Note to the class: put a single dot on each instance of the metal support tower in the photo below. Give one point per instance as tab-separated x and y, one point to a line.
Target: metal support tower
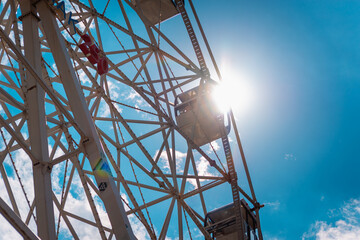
91	143
34	95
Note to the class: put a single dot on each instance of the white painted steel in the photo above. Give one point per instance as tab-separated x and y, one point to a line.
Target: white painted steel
156	167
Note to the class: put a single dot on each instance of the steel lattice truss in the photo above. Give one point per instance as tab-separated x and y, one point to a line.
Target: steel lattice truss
162	177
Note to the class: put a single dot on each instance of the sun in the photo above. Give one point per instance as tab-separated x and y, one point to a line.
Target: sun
234	92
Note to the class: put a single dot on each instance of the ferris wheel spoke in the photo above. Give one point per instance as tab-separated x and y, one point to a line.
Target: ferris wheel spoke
136	45
181	78
137	49
85	181
86	221
180	220
120	178
198	186
141	147
58	104
148	187
167	68
141	54
151	203
5	9
64	216
94	13
144	136
19	139
90	200
177	86
17	126
159	152
16	221
11	84
195	219
30	213
10	68
167	220
143	67
146	171
189	64
9	190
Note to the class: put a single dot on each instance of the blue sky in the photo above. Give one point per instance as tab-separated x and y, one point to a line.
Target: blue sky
301	136
295	64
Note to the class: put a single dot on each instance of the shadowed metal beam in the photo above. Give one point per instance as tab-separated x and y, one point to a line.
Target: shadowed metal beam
16	222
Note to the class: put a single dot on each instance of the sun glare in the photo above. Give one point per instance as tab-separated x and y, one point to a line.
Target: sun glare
234	92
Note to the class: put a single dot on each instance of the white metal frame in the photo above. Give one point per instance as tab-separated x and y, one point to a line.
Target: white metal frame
65	118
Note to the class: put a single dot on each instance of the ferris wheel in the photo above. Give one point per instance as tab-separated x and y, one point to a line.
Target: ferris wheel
109	127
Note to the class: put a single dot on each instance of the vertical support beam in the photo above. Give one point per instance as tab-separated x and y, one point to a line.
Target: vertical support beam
180	222
108	190
37	125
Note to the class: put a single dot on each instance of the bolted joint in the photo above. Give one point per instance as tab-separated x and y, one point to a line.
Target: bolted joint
257	206
31	88
161	185
99	89
212	163
154	47
85	140
228	178
31	13
45	167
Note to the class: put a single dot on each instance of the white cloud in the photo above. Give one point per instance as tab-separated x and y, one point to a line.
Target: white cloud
164	162
168	238
54	67
84	78
274	205
213	146
203	169
114	90
138	228
76	202
137	99
104	110
57	171
132	95
346	228
289	156
138	102
4	60
273	238
24	167
7	232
